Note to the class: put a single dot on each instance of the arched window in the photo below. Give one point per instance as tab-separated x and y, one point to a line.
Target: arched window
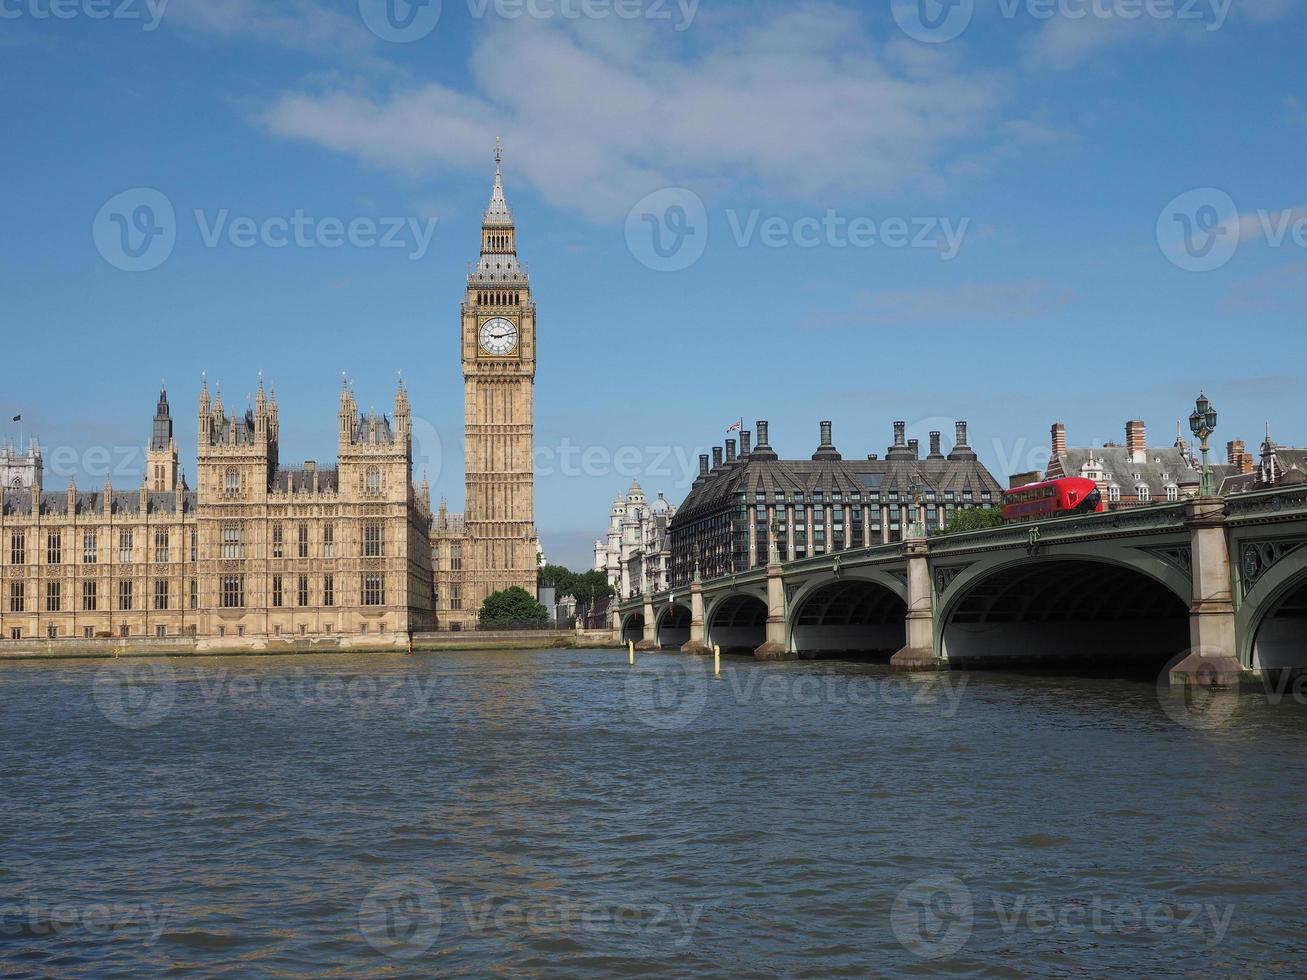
232	483
373	481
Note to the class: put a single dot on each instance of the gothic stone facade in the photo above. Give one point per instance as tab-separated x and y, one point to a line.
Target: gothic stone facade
256	551
493	545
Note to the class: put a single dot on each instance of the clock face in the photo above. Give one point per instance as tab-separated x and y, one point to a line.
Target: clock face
498	336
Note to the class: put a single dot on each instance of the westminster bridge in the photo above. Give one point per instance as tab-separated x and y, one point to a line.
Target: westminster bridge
1220	580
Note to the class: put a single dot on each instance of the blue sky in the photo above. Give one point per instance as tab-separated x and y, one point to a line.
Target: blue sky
895	223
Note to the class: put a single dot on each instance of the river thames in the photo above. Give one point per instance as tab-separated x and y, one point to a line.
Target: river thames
563	814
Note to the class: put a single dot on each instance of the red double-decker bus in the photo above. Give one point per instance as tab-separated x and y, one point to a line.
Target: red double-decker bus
1055	498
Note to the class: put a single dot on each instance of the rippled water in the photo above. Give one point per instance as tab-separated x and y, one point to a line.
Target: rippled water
562	814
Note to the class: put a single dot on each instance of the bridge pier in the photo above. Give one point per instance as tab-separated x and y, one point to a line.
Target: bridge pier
1213	659
695	644
650	641
919	652
776	646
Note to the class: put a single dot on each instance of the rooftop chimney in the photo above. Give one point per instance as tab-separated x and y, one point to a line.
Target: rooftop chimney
716	457
1059	439
915	448
730	450
827	449
703	466
961	448
763	450
935	451
745	437
900	448
1136	441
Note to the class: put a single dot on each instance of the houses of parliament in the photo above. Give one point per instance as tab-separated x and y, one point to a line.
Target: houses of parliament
260	552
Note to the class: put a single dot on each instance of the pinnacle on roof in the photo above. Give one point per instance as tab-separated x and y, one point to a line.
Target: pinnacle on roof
498	214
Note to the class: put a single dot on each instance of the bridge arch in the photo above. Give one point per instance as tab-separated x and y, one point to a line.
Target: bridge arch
861	617
1087	611
672	627
1274	618
633	628
737	623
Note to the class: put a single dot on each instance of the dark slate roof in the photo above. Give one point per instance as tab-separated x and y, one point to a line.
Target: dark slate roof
773	477
235	432
54	503
297	479
373	430
1162	466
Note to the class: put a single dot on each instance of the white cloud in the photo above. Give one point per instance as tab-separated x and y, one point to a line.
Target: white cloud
304	25
798	104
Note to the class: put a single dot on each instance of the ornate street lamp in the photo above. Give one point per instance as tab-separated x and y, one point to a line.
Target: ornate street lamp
1202	423
917	529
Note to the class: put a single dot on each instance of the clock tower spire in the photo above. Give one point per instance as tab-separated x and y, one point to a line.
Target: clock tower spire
498	341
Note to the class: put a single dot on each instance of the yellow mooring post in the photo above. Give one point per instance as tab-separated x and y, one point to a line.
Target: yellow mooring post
716	660
630	645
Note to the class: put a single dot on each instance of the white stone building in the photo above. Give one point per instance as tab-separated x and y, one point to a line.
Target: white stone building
637	544
20	469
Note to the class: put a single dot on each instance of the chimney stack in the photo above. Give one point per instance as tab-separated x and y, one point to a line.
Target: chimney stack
1136	441
961	449
935	451
914	447
1059	439
703	466
745	437
716	457
763	450
827	449
730	451
900	433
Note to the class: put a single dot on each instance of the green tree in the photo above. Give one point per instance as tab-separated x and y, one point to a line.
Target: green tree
556	577
513	607
974	520
589	587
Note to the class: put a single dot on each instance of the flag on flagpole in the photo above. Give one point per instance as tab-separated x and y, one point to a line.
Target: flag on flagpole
736	426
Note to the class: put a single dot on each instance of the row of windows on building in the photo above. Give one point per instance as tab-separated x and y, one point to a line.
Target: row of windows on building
161	631
233	484
721	543
233	544
231	594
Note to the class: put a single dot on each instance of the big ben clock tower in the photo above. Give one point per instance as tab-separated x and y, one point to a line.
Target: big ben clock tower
499	366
